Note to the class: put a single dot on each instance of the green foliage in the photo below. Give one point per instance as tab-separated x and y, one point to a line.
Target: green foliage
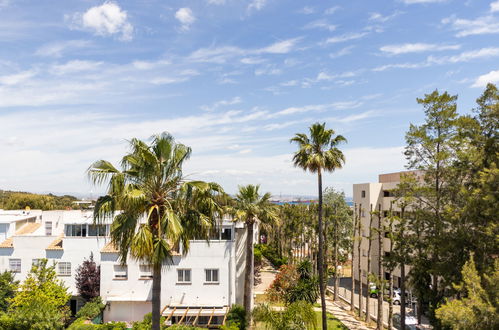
8	287
271	254
91	309
306	288
236	318
299	315
479	305
13	200
41	300
183	327
81	324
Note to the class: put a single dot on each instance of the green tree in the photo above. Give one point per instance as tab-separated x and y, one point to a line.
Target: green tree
318	153
249	206
41	302
8	287
479	304
151	185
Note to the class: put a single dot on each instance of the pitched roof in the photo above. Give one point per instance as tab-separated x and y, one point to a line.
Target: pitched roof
109	248
26	229
56	244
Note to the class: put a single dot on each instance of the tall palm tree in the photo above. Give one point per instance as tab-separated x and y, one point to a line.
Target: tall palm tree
250	207
154	208
318	153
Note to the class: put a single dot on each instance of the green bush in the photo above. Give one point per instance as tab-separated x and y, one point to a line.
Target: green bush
236	318
271	254
91	309
80	325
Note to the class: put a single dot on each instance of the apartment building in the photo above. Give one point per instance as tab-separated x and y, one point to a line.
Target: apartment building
369	197
197	287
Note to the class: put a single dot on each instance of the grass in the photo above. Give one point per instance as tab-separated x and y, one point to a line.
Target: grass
332	322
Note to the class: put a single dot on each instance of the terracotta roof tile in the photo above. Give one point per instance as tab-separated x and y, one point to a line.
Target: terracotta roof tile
26	229
56	244
109	248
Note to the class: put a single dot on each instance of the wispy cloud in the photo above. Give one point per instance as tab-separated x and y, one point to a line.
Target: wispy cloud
411	2
346	37
332	10
342	52
343	105
256	5
377	17
222	103
223	53
104	20
57	49
483	80
494	6
468	27
416	48
320	24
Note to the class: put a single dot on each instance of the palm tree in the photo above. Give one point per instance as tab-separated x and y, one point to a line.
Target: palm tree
316	154
250	207
154	208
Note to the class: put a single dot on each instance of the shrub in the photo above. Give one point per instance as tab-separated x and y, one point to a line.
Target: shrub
298	315
236	318
91	309
284	280
271	254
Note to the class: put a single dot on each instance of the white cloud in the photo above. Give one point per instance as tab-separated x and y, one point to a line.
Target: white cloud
410	2
223	53
222	103
257	5
466	56
75	66
331	10
17	78
320	24
377	17
252	60
280	47
185	17
105	20
416	48
346	37
494	6
216	2
468	27
483	80
307	10
58	48
343	105
342	52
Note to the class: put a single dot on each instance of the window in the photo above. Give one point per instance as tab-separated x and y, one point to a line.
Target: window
36	262
97	230
76	230
227	234
48	228
145	271
64	268
385	214
15	265
386	193
363	194
387	254
211	275
120	272
387	234
184	276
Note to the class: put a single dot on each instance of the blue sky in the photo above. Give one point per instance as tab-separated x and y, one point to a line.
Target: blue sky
232	79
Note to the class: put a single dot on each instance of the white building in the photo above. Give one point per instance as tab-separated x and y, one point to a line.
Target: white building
375	196
197	288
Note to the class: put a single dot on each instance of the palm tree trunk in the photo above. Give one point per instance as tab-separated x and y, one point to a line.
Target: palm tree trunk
352	273
336	277
156	296
390	302
368	316
248	275
402	277
359	261
320	258
379	323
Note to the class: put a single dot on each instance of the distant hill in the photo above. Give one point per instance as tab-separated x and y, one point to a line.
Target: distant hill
18	200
